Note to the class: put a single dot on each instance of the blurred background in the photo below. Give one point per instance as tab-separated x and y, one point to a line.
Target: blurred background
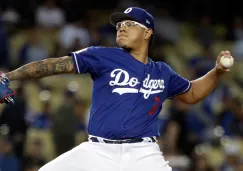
50	115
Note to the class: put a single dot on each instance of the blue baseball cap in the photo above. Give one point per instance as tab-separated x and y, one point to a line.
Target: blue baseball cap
133	13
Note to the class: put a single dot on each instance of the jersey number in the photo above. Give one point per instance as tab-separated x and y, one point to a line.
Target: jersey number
151	112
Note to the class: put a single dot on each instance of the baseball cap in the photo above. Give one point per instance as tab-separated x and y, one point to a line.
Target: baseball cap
133	13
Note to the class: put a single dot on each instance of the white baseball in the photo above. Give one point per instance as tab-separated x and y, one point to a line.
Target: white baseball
226	62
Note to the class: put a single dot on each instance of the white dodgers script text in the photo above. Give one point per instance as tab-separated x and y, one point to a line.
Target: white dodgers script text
122	78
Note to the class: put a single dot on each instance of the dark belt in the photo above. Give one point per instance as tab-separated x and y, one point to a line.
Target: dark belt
135	140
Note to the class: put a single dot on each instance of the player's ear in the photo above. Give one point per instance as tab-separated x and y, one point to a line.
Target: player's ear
148	33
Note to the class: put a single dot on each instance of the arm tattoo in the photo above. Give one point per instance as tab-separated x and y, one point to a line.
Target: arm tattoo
44	68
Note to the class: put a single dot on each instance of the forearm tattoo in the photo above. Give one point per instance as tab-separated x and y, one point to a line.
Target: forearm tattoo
44	68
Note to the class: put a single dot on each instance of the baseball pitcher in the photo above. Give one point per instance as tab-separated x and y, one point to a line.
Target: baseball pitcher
129	89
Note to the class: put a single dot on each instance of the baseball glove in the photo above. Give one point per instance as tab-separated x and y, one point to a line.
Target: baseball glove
6	94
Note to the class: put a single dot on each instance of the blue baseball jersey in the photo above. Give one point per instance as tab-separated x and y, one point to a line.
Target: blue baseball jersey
127	94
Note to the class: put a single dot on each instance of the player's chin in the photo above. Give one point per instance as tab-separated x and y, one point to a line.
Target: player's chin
121	43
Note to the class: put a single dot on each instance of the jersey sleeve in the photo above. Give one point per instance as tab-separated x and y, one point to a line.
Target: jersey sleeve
86	60
177	84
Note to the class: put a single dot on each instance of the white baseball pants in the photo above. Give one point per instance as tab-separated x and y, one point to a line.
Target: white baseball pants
97	156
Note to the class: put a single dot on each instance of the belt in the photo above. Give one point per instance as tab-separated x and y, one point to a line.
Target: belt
133	140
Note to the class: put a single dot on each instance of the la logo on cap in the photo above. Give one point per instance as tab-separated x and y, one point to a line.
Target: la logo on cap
128	10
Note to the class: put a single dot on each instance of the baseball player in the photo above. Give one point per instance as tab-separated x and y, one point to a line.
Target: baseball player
128	91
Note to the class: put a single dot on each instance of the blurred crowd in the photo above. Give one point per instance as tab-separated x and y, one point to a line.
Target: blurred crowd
50	115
